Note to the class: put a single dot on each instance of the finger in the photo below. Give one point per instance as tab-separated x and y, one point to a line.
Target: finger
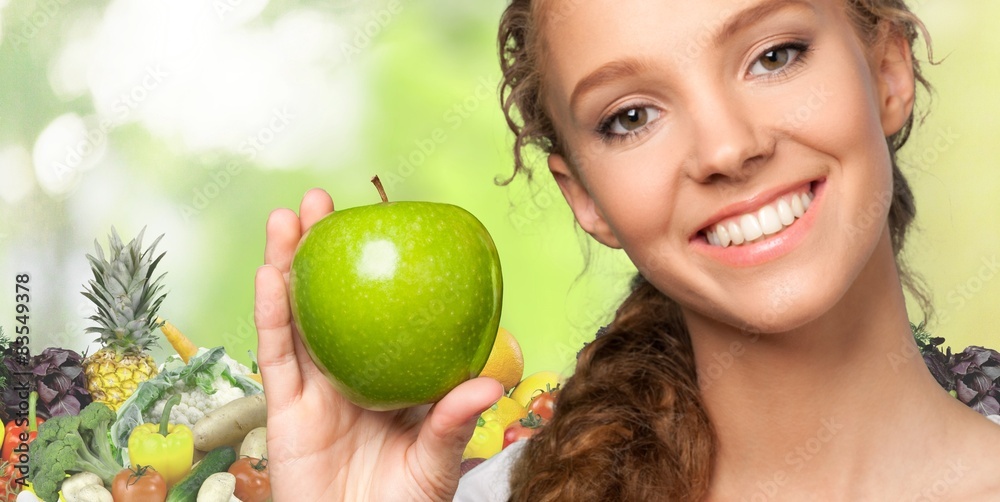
276	354
449	426
283	233
316	204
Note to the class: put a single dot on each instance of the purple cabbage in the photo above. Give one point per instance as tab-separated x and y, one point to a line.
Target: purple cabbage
57	375
977	379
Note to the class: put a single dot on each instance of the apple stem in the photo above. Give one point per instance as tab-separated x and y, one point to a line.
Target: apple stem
378	186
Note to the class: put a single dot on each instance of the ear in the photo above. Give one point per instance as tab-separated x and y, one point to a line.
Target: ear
896	84
588	215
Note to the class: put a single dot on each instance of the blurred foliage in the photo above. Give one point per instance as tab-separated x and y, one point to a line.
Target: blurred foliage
414	100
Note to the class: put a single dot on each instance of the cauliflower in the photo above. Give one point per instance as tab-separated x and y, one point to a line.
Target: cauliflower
209	380
195	403
235	367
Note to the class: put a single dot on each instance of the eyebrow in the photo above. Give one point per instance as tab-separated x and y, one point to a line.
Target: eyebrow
631	66
607	73
752	15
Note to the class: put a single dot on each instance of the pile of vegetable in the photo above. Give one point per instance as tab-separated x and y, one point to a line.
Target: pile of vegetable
98	454
117	427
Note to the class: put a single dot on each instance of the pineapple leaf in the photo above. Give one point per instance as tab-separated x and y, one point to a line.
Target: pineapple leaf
124	293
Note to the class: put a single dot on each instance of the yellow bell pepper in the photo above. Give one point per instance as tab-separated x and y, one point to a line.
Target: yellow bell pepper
168	448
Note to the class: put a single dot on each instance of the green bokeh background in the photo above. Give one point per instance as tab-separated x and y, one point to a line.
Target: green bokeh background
412	100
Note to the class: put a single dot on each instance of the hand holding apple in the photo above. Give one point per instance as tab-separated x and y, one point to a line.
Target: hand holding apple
407	454
397	302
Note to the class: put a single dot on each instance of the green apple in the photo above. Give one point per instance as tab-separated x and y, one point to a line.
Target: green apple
397	302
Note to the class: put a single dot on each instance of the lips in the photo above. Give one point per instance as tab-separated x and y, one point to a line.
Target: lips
753	226
764	218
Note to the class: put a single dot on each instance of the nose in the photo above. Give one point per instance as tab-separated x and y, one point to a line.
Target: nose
729	139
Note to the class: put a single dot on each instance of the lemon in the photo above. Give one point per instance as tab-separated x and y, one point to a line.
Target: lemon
506	363
533	385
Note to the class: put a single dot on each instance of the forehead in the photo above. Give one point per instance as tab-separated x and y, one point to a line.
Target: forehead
705	16
578	36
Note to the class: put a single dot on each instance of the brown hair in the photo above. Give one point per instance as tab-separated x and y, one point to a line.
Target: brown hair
630	423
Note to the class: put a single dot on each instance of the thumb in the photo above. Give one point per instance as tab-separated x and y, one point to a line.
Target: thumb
449	426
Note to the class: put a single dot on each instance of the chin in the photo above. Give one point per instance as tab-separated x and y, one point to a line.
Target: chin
784	305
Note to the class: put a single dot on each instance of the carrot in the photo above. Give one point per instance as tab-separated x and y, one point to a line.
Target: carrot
181	343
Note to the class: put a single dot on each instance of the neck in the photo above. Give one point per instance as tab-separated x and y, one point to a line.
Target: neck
836	406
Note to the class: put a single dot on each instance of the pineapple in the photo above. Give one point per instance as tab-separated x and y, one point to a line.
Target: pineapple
127	299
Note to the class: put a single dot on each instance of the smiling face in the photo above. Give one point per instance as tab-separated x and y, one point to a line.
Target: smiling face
734	149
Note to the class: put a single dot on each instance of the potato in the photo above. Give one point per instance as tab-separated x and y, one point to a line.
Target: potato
255	444
94	493
230	423
219	487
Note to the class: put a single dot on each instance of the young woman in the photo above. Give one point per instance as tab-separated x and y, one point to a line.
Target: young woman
741	152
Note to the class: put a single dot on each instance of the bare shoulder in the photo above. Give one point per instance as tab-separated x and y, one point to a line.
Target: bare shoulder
980	476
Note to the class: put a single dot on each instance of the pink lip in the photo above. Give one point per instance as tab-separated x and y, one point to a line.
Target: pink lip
748	255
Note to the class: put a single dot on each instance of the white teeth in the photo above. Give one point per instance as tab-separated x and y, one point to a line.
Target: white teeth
723	235
754	227
785	213
735	234
713	239
797	208
769	222
750	226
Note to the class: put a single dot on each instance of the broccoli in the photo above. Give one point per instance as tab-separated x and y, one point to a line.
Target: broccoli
69	444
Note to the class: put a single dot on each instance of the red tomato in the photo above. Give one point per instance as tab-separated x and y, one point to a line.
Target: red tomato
253	483
8	484
139	483
522	429
544	404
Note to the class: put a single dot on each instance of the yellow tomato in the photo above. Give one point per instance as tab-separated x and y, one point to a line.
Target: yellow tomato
533	385
506	411
486	441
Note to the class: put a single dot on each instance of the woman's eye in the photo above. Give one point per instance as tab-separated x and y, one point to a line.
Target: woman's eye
631	120
774	59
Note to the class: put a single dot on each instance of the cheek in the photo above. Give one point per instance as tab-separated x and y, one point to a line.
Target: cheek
842	123
636	192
